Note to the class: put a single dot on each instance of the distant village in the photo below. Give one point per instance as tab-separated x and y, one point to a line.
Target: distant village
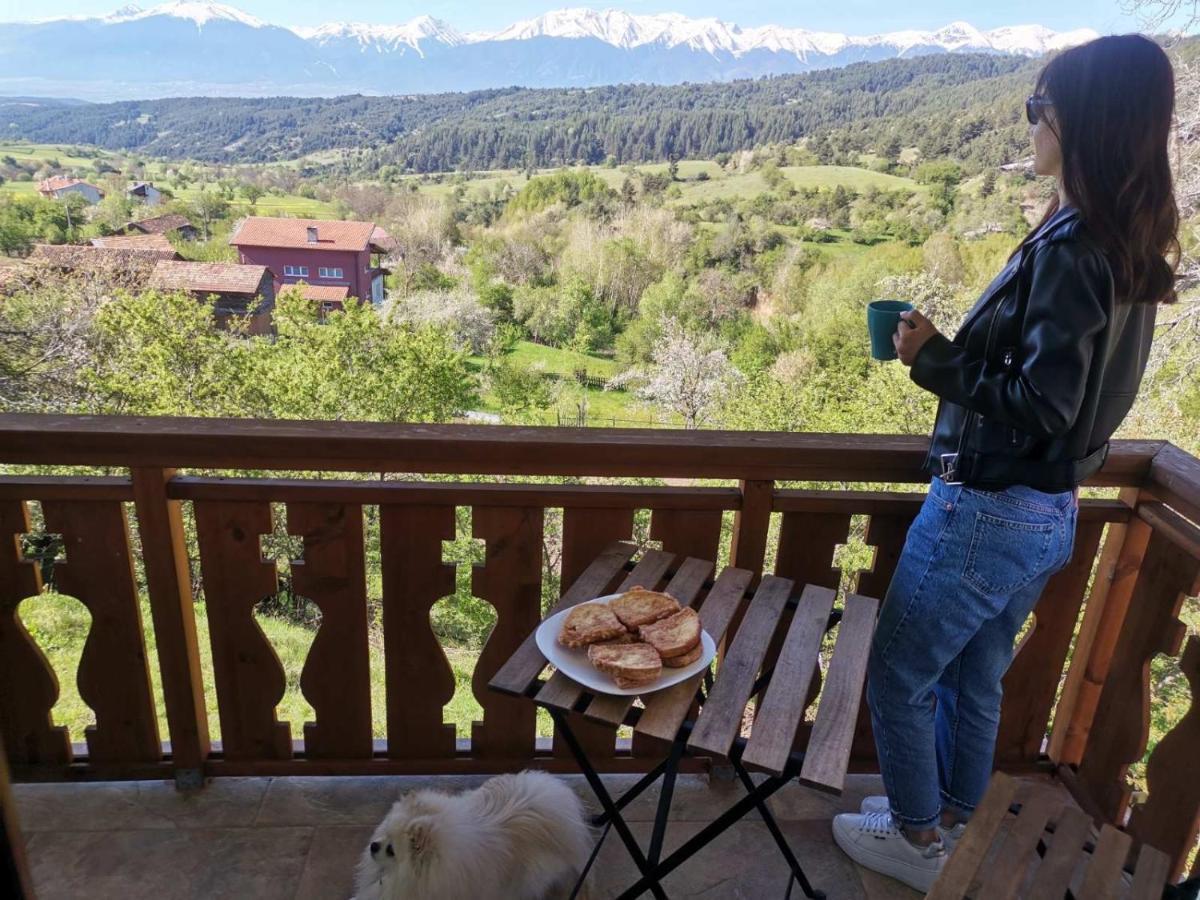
330	262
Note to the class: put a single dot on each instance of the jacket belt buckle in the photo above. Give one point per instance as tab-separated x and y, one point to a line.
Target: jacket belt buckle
949	474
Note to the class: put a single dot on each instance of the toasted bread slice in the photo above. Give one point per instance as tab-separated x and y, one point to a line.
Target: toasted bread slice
630	665
626	638
684	659
588	623
639	607
674	635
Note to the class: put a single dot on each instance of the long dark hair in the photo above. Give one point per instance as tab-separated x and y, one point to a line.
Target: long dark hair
1113	100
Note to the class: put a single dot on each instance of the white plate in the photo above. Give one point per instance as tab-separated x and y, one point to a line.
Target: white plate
575	664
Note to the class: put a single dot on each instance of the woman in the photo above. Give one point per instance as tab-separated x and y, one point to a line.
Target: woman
1039	376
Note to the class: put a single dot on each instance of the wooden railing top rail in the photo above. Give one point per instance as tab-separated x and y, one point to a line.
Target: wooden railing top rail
490	449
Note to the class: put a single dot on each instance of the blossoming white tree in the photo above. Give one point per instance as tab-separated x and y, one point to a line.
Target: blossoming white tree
688	374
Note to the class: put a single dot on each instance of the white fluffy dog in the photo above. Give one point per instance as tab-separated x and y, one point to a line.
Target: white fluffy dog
517	837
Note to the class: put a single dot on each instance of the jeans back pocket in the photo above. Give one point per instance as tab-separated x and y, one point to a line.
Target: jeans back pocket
1005	555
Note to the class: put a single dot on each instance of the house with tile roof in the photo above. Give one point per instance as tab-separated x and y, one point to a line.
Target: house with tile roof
129	267
240	290
59	186
171	223
135	242
322	253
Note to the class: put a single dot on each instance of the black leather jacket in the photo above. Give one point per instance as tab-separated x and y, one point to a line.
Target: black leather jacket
1041	372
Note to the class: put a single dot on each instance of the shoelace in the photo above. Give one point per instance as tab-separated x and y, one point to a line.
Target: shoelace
878	823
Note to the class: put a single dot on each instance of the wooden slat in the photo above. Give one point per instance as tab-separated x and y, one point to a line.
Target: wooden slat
1104	611
515	676
418	676
423	493
172	607
828	751
561	692
58	439
1151	874
1006	873
16	881
336	678
114	677
807	543
779	714
904	504
510	579
65	487
1102	877
687	532
1176	476
1170	818
28	685
886	533
666	710
751	525
964	862
1031	683
1063	853
246	669
586	532
611	709
1119	733
721	718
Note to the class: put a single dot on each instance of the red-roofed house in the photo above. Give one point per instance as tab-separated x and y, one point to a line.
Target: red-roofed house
240	290
57	186
319	252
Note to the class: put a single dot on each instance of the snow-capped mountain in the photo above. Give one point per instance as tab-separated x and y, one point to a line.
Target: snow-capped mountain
191	47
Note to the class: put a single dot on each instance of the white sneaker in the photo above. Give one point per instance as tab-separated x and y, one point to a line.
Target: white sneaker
873	840
879	804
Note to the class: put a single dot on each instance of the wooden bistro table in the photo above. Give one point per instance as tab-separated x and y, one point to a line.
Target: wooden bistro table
715	731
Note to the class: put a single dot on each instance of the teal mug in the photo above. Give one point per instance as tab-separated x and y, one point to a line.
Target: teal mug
883	318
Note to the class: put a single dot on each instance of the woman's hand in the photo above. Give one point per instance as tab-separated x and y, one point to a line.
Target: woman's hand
911	336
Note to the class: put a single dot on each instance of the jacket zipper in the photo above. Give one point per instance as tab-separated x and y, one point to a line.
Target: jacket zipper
972	415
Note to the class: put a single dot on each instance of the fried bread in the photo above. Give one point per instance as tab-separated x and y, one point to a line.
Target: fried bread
588	623
639	607
675	635
684	659
629	665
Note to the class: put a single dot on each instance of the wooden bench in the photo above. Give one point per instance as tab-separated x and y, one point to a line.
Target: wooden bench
1042	847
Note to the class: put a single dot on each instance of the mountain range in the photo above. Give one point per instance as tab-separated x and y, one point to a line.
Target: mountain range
191	48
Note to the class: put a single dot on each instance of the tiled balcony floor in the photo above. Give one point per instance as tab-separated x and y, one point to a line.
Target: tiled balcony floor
285	838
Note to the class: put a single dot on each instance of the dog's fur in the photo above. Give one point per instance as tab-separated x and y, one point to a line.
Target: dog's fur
517	837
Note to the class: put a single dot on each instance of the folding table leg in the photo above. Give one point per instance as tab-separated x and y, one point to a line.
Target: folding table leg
773	827
633	792
610	808
704	836
664	796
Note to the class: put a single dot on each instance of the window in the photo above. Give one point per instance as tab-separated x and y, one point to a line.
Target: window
330	273
296	271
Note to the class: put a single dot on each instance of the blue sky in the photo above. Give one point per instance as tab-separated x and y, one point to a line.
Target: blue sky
851	16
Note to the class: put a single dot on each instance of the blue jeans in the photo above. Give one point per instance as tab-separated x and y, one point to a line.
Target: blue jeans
973	566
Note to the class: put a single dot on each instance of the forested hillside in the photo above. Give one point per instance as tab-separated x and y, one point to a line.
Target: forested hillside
964	105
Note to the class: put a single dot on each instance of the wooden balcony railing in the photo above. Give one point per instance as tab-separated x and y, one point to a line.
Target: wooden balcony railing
1137	556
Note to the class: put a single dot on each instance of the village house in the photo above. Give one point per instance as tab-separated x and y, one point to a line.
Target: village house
129	267
144	192
136	242
172	223
58	186
240	290
326	253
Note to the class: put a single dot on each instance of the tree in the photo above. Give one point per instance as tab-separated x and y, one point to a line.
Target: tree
691	376
208	208
673	168
252	192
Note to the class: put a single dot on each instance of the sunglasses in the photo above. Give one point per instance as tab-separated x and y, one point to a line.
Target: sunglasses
1033	108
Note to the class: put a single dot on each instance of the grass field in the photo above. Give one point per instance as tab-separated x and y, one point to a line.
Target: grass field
719	184
23	150
621	408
